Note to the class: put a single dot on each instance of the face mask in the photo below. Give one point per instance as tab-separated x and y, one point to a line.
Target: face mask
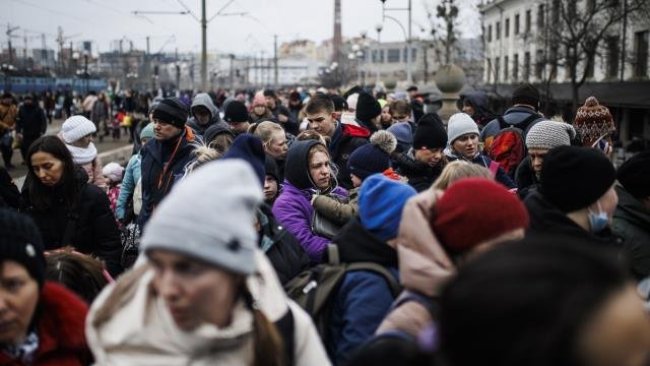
598	220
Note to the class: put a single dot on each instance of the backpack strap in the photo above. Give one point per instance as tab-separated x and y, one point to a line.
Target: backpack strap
286	327
395	287
528	122
502	123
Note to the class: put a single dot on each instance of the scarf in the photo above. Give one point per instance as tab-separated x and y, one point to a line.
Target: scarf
81	155
25	351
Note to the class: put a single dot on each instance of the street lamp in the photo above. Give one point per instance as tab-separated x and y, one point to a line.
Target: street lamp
378	28
408	38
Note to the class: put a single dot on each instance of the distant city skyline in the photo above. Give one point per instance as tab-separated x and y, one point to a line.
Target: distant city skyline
104	22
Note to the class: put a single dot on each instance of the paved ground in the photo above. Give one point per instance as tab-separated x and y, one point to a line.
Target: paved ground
107	145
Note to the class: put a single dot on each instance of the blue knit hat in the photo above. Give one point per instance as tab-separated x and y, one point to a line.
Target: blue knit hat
249	148
403	134
381	200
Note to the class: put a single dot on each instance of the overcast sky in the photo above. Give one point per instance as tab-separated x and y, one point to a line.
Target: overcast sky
105	20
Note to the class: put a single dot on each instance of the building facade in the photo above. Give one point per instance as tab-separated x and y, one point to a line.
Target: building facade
520	47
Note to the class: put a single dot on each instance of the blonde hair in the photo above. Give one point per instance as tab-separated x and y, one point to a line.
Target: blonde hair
265	131
312	135
457	170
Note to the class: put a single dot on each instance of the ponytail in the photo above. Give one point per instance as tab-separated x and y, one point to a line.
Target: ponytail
268	344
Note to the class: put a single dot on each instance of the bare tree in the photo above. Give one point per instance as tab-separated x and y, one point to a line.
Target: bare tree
574	31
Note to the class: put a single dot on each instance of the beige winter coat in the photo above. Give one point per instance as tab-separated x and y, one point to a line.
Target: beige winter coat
424	266
141	330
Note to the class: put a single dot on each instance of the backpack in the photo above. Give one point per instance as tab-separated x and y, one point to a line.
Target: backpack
315	288
508	147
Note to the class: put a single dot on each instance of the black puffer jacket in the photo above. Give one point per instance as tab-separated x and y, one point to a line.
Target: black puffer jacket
280	246
95	231
9	195
420	176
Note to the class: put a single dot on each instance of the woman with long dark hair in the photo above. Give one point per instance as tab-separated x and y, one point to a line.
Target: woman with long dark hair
66	208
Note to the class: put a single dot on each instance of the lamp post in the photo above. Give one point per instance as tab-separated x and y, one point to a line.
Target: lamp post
86	72
361	55
409	76
378	28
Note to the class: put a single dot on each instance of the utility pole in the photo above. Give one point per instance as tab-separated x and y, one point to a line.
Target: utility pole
9	35
204	51
275	60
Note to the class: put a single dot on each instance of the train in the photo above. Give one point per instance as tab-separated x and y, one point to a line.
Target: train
38	84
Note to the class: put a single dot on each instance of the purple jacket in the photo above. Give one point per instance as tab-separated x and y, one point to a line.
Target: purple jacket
293	209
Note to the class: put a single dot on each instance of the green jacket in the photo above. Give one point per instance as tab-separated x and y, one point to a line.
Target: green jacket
632	223
336	210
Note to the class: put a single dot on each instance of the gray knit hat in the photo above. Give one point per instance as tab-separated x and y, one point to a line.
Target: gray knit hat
215	227
549	134
460	124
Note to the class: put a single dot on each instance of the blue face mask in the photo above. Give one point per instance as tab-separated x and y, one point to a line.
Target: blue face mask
598	220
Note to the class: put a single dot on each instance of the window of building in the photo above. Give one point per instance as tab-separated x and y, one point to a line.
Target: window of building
553	61
489	35
507	30
489	70
612	56
498	30
590	65
572	9
505	69
414	54
555	11
539	64
540	16
516	24
496	69
641	51
591	4
515	67
526	66
528	20
393	55
569	63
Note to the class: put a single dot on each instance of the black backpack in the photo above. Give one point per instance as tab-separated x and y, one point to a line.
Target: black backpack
315	288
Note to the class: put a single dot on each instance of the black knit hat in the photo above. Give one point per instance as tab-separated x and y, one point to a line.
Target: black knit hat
236	112
340	104
575	177
367	107
634	175
430	133
526	94
172	111
21	242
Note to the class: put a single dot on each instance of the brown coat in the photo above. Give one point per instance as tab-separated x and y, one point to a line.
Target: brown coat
336	210
424	265
8	116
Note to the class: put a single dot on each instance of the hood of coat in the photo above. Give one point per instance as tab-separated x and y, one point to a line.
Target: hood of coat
143	327
631	209
204	100
356	244
61	322
297	164
424	265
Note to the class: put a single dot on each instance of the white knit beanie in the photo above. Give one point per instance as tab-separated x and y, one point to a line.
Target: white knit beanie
549	134
460	124
113	171
75	128
213	225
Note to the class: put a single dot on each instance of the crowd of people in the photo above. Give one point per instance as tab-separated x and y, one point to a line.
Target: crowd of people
322	228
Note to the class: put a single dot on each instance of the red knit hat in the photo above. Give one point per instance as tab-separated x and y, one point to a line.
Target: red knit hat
474	210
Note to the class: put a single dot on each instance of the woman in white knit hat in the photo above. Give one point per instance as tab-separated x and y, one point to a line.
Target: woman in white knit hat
204	294
463	138
77	133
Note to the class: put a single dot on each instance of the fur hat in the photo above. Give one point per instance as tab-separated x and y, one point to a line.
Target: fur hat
21	242
549	134
430	133
172	111
575	177
113	171
367	108
460	124
474	210
381	201
373	157
593	121
75	128
209	216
